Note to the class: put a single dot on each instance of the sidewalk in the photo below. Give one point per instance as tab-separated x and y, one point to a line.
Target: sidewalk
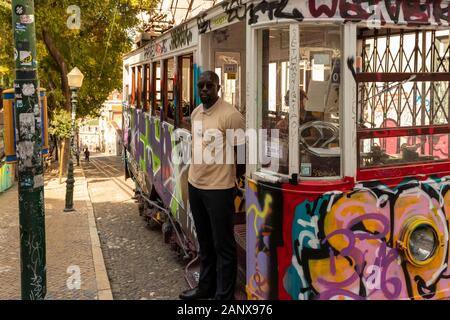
72	244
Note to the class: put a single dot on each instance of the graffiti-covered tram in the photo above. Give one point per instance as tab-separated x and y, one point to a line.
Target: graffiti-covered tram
346	194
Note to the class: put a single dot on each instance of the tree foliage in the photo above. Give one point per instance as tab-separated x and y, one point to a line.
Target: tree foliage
61	124
96	48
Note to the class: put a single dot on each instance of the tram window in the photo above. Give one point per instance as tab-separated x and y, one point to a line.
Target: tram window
127	93
409	101
146	88
186	103
139	87
156	86
319	68
133	85
169	108
403	150
403	83
273	55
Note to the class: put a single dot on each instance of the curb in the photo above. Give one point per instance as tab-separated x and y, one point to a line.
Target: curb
101	276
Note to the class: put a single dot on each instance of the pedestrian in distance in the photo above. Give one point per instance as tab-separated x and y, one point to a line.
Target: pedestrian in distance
212	190
77	154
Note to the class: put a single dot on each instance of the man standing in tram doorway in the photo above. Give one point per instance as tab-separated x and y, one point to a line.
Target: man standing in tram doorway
212	189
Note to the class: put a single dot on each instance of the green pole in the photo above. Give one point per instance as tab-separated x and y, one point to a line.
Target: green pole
28	146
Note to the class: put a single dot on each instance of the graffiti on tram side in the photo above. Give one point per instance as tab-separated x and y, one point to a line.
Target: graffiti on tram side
197	72
345	244
6	177
180	37
400	12
157	155
262	204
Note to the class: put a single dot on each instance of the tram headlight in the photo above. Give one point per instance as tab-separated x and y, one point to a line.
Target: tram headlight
419	241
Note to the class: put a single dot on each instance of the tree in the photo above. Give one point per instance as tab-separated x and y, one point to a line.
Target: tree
96	47
7	46
61	127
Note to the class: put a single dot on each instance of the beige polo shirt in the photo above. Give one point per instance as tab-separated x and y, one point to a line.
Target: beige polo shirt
212	165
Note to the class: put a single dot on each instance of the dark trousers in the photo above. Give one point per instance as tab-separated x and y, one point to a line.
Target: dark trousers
213	212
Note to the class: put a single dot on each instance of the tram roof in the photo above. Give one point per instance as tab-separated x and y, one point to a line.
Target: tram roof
435	14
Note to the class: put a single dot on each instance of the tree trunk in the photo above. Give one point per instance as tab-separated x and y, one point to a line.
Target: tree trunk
64	151
59	59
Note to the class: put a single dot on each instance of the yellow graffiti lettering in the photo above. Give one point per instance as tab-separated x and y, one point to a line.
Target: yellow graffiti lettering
260	214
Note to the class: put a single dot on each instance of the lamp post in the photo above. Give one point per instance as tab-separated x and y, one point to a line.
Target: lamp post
75	79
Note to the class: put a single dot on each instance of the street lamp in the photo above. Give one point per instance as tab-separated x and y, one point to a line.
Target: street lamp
75	79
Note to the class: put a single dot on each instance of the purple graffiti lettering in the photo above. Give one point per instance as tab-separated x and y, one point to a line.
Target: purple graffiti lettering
336	285
348	234
332	261
371	216
385	260
327	295
391	287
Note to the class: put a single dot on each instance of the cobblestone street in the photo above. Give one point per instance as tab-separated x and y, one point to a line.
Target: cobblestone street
139	264
71	244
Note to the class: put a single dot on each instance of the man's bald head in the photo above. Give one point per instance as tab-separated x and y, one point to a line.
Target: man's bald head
208	88
210	75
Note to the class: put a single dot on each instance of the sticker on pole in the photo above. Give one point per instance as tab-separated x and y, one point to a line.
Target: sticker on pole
27	19
28	89
19	10
20	28
25	58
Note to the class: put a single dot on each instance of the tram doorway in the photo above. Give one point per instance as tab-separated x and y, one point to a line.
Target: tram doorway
228	61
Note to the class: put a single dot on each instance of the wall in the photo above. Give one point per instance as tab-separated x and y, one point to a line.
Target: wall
343	244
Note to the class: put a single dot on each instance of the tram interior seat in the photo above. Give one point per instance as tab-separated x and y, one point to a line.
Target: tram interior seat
408	154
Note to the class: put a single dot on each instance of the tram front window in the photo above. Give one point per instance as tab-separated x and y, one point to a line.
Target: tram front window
275	54
319	67
317	98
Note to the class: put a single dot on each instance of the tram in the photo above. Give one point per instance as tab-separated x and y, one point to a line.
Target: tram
346	193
